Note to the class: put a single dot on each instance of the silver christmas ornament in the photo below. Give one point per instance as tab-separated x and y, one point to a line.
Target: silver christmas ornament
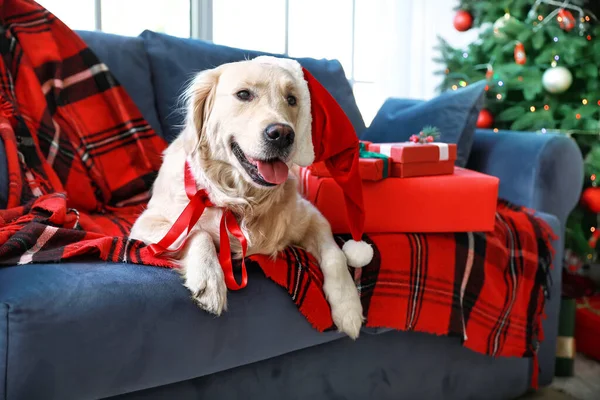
557	79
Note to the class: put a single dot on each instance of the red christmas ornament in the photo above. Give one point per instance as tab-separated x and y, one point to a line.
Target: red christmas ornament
485	120
463	21
566	20
590	199
520	56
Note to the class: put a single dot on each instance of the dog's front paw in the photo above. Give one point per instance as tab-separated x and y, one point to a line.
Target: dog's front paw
346	309
208	289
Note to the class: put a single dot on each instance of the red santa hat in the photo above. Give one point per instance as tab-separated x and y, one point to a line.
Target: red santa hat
325	134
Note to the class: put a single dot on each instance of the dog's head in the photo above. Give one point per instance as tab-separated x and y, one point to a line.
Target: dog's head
253	117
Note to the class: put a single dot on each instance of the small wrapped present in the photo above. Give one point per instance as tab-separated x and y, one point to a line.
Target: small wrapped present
464	201
587	326
372	166
421	156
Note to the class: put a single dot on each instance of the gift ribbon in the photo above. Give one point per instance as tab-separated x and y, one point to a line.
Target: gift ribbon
199	200
444	152
364	153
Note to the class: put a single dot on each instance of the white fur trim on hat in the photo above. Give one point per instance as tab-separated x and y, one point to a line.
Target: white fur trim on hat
358	254
305	152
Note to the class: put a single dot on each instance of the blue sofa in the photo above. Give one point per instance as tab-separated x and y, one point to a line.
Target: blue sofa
120	331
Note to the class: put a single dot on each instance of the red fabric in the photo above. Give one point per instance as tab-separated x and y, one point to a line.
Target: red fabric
414	152
81	161
370	169
336	144
461	202
80	156
587	326
485	289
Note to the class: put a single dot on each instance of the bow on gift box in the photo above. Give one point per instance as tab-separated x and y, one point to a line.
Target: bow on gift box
364	153
427	135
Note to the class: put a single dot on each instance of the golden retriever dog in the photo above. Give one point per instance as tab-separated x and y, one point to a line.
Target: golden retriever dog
247	125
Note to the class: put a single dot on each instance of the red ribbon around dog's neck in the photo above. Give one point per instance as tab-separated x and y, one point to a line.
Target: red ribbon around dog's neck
191	214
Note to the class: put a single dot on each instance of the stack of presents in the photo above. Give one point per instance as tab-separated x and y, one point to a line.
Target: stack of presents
409	187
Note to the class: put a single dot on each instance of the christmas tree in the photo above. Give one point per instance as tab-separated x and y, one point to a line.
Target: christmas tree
540	59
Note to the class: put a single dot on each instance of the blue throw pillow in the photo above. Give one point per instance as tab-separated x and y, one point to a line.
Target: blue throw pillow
174	61
128	62
454	113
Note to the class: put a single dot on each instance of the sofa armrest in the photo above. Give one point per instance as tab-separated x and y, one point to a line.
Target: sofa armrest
543	172
547	351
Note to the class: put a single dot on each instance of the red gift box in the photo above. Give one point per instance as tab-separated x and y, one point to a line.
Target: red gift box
370	169
587	326
464	201
417	159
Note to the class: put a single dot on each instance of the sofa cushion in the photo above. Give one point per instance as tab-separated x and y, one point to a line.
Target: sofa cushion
174	61
454	113
127	59
99	329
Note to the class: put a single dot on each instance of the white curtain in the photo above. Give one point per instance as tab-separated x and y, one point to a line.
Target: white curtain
407	34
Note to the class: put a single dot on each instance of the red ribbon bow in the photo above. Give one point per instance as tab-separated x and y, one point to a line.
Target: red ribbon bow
199	200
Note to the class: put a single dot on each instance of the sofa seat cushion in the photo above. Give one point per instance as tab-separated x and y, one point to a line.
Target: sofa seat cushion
93	330
126	57
175	61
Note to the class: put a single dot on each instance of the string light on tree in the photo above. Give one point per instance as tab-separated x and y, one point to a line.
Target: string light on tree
500	24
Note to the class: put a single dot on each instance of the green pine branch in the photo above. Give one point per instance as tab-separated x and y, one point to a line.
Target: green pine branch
516	96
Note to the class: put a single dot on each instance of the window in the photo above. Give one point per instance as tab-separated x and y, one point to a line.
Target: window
132	17
80	17
254	25
334	29
123	17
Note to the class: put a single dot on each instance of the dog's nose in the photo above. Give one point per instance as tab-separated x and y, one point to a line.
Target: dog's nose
280	135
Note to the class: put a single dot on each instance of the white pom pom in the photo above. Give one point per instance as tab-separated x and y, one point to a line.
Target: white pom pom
358	254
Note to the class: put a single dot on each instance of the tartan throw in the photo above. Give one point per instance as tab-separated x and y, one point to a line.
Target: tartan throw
81	161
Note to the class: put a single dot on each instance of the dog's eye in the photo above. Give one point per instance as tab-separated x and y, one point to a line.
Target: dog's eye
244	95
291	100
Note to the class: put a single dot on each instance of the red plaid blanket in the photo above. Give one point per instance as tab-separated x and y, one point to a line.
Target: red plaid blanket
81	161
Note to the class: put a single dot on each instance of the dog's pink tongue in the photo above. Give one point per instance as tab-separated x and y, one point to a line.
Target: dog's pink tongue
273	172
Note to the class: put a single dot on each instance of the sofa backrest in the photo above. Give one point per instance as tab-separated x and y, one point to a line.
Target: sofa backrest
154	68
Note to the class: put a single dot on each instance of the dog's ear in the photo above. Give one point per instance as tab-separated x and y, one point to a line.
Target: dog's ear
199	98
